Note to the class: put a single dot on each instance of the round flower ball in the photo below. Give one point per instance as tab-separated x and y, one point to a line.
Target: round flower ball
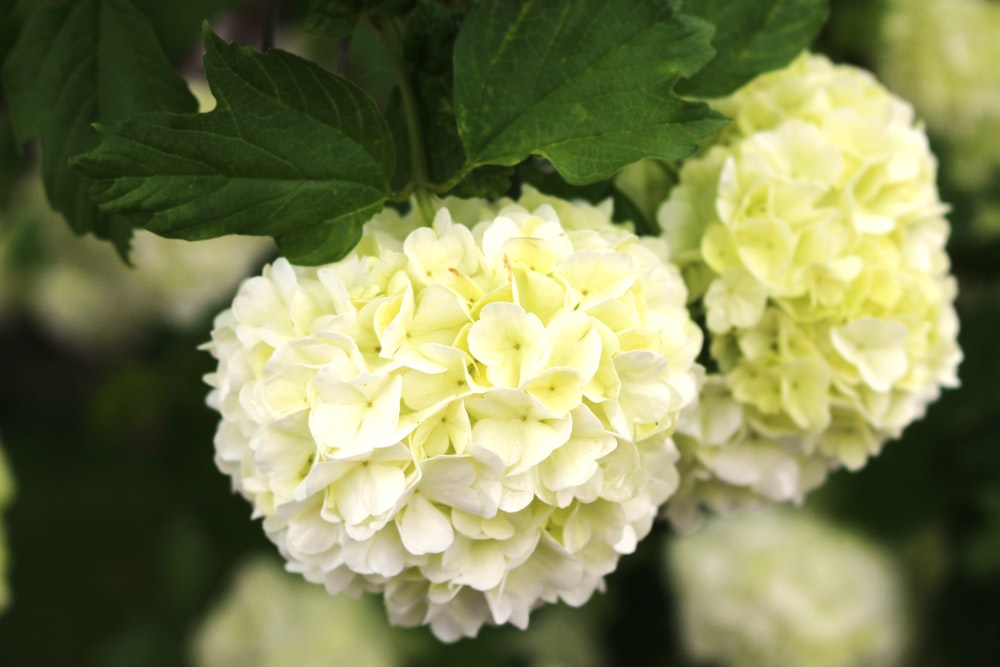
473	420
781	588
812	238
269	618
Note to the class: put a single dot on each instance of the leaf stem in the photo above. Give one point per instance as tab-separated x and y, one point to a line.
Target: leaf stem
419	173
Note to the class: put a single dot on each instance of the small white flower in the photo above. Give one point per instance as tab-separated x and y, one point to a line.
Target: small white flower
473	420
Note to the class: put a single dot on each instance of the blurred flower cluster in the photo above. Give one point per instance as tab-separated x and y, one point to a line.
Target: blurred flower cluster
782	588
88	299
269	618
941	55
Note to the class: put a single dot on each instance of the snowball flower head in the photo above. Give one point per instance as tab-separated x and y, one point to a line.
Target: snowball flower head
783	589
942	56
269	618
6	494
813	236
472	420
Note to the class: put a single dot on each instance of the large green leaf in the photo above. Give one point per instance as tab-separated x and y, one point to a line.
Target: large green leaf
586	83
291	151
751	37
76	64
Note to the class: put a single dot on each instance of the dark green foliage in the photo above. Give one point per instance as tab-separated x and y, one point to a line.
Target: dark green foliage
76	64
291	151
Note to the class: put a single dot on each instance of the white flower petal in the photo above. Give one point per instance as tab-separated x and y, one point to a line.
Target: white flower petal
423	527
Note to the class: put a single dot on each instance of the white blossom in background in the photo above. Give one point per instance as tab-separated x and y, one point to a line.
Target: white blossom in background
270	618
6	495
782	588
942	55
474	420
86	297
812	237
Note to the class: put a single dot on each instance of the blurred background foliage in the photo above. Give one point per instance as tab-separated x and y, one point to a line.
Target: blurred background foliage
123	535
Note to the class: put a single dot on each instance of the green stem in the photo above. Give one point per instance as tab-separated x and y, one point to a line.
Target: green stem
435	188
419	173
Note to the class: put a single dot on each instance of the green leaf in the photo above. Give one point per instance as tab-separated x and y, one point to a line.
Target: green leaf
586	83
291	151
751	37
76	64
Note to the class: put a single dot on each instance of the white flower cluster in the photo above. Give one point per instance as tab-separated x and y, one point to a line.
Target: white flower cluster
270	618
942	55
472	420
813	236
6	494
783	589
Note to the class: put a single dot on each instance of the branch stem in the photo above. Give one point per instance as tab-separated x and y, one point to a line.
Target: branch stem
419	173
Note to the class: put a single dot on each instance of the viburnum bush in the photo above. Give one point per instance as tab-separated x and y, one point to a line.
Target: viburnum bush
475	374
